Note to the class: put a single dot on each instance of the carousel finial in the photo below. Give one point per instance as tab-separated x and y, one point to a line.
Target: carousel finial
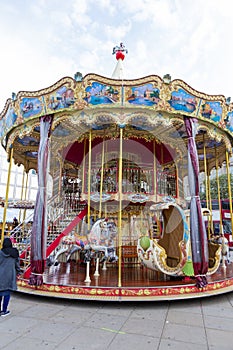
120	51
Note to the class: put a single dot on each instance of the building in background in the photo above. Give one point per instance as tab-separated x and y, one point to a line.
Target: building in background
17	192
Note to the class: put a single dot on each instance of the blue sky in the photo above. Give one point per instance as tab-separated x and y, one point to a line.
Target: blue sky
44	40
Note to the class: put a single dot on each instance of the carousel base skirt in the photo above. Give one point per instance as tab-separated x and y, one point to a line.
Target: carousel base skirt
67	280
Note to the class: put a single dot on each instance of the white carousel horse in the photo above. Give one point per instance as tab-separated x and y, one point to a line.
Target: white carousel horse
99	247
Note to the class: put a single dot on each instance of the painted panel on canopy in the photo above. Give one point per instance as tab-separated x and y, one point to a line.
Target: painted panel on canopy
11	117
144	95
30	107
61	98
2	127
212	110
28	141
60	131
33	155
208	144
229	121
182	101
141	123
99	93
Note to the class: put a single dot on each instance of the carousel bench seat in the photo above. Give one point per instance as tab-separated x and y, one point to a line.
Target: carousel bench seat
129	254
213	249
172	236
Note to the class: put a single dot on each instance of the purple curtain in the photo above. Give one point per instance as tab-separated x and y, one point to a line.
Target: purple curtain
39	227
198	234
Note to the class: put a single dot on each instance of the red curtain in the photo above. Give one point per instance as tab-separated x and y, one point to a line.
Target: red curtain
198	234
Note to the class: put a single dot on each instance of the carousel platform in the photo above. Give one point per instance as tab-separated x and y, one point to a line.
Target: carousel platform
66	280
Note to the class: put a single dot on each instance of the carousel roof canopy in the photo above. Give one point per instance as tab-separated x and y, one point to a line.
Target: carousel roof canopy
149	108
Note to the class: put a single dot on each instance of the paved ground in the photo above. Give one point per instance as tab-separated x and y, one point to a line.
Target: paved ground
42	323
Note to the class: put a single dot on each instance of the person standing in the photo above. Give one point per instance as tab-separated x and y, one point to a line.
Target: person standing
9	269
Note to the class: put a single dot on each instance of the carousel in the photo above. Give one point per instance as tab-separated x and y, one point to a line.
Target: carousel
118	215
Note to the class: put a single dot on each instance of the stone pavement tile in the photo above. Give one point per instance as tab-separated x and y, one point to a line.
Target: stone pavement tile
6	337
222	300
48	331
29	343
143	326
17	325
152	311
219	340
178	345
192	306
73	315
87	338
218	310
41	311
108	321
122	309
185	318
219	323
133	342
185	333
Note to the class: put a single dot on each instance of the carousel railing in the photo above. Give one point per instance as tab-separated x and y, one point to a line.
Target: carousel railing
63	220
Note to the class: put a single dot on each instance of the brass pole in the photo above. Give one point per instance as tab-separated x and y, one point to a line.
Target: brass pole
210	203
206	186
205	167
101	180
7	194
60	178
177	182
219	196
229	188
89	186
25	196
155	171
22	190
84	163
120	209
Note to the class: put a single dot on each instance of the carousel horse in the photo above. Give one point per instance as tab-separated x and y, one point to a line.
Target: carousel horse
98	247
171	254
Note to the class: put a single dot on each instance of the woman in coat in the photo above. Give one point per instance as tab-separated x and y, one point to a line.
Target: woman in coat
9	269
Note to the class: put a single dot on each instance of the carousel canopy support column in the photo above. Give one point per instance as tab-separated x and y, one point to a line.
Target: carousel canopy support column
89	186
229	187
39	227
197	227
120	209
7	194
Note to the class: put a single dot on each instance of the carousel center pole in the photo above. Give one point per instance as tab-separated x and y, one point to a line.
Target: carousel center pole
120	208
